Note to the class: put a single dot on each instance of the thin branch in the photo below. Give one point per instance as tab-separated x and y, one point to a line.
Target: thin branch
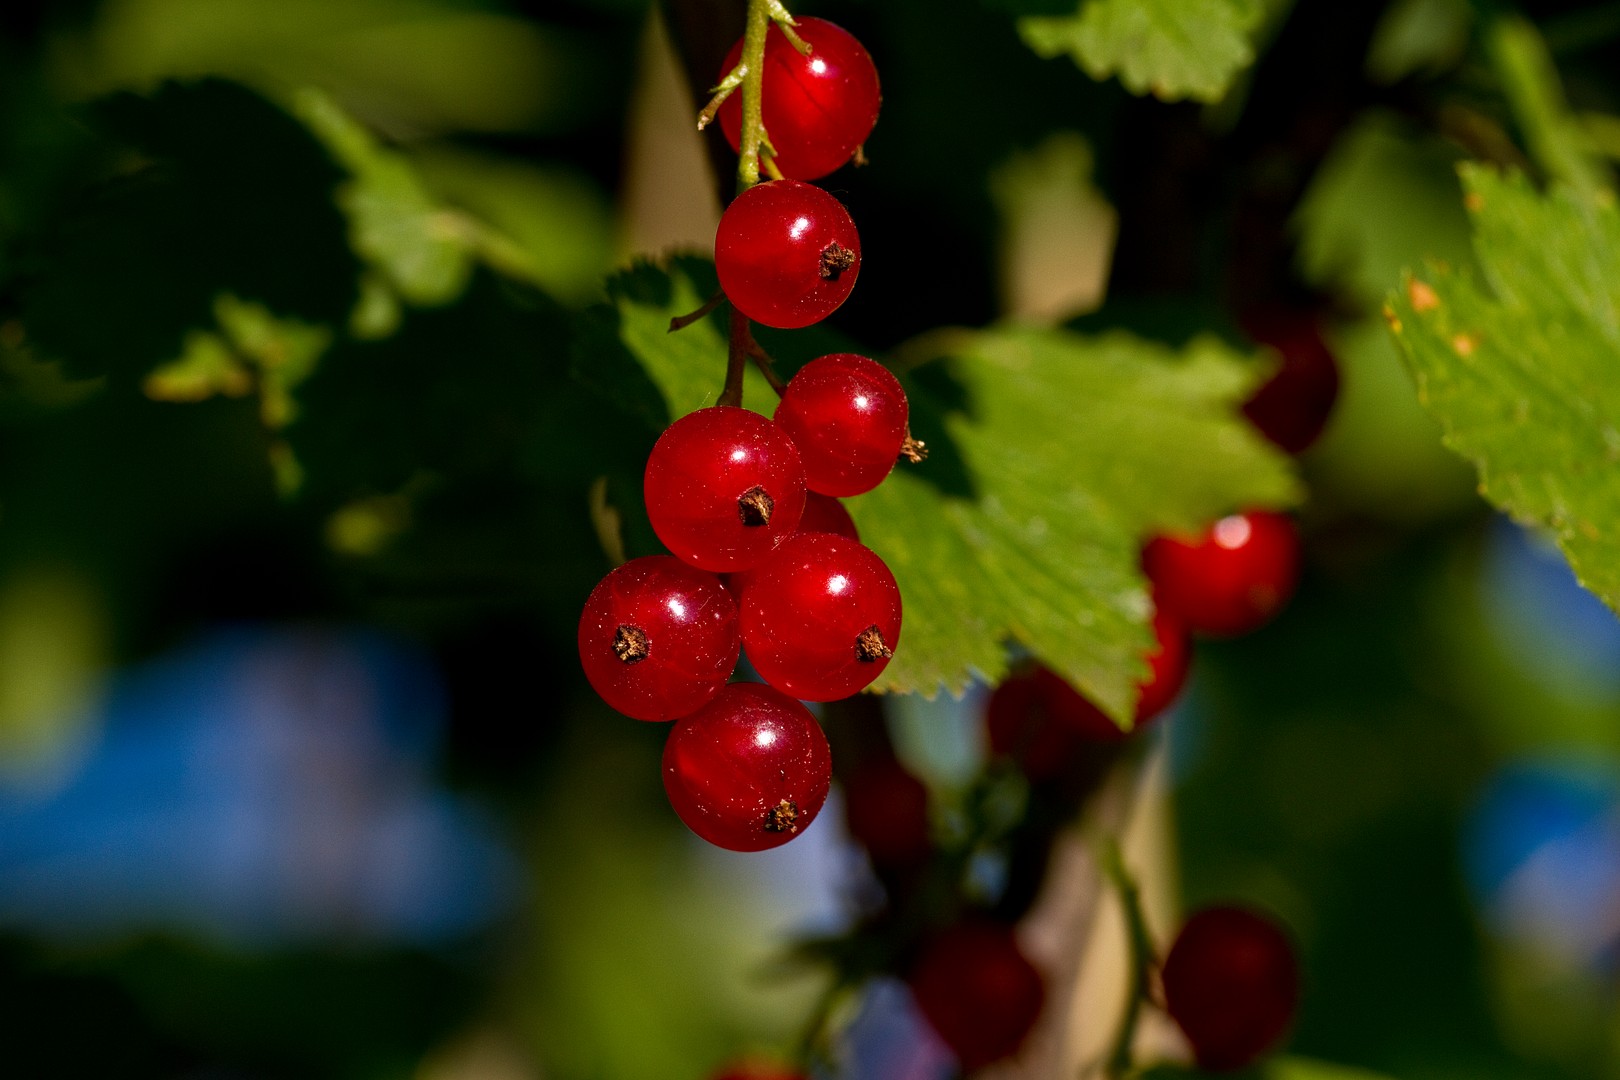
681	322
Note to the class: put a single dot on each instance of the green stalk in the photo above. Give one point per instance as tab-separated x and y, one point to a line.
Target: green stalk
753	124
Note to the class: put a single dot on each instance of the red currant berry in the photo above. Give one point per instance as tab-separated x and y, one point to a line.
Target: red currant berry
1022	724
723	487
1292	407
978	991
847	415
817	108
749	770
1043	723
886	809
1167	666
821	617
1231	983
1230	579
658	639
787	254
821	514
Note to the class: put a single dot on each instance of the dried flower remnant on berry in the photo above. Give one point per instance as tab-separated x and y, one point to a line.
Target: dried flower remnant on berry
630	644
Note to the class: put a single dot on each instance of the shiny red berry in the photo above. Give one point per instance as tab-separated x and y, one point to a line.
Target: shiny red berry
658	639
1292	407
787	253
817	108
978	991
1043	723
1230	579
749	770
723	486
821	617
822	513
1232	984
847	415
1167	666
886	809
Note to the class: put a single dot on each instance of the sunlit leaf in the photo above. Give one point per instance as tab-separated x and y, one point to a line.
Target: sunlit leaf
1172	49
1052	456
1517	361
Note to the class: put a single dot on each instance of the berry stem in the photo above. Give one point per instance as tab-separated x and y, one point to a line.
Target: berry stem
753	83
784	22
681	322
767	367
733	79
736	360
1142	957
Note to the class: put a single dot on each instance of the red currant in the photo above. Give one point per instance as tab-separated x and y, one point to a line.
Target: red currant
1230	579
1231	984
978	991
1292	407
847	415
817	108
749	770
821	514
1042	722
787	254
723	486
1167	666
886	809
821	617
658	639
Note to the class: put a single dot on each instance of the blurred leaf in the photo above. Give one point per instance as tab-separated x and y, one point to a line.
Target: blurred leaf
404	65
1528	79
1053	455
253	350
1419	37
560	222
395	226
1385	198
1172	49
233	196
1517	363
460	389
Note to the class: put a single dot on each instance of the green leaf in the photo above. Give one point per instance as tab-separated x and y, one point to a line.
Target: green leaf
1172	49
232	196
1051	456
1074	449
423	251
1518	362
1411	178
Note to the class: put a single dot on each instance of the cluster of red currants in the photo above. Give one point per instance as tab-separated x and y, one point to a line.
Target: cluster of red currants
1229	978
764	557
1228	580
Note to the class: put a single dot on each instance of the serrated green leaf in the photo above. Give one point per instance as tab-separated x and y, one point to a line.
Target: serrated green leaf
1075	449
1518	362
1172	49
1051	456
